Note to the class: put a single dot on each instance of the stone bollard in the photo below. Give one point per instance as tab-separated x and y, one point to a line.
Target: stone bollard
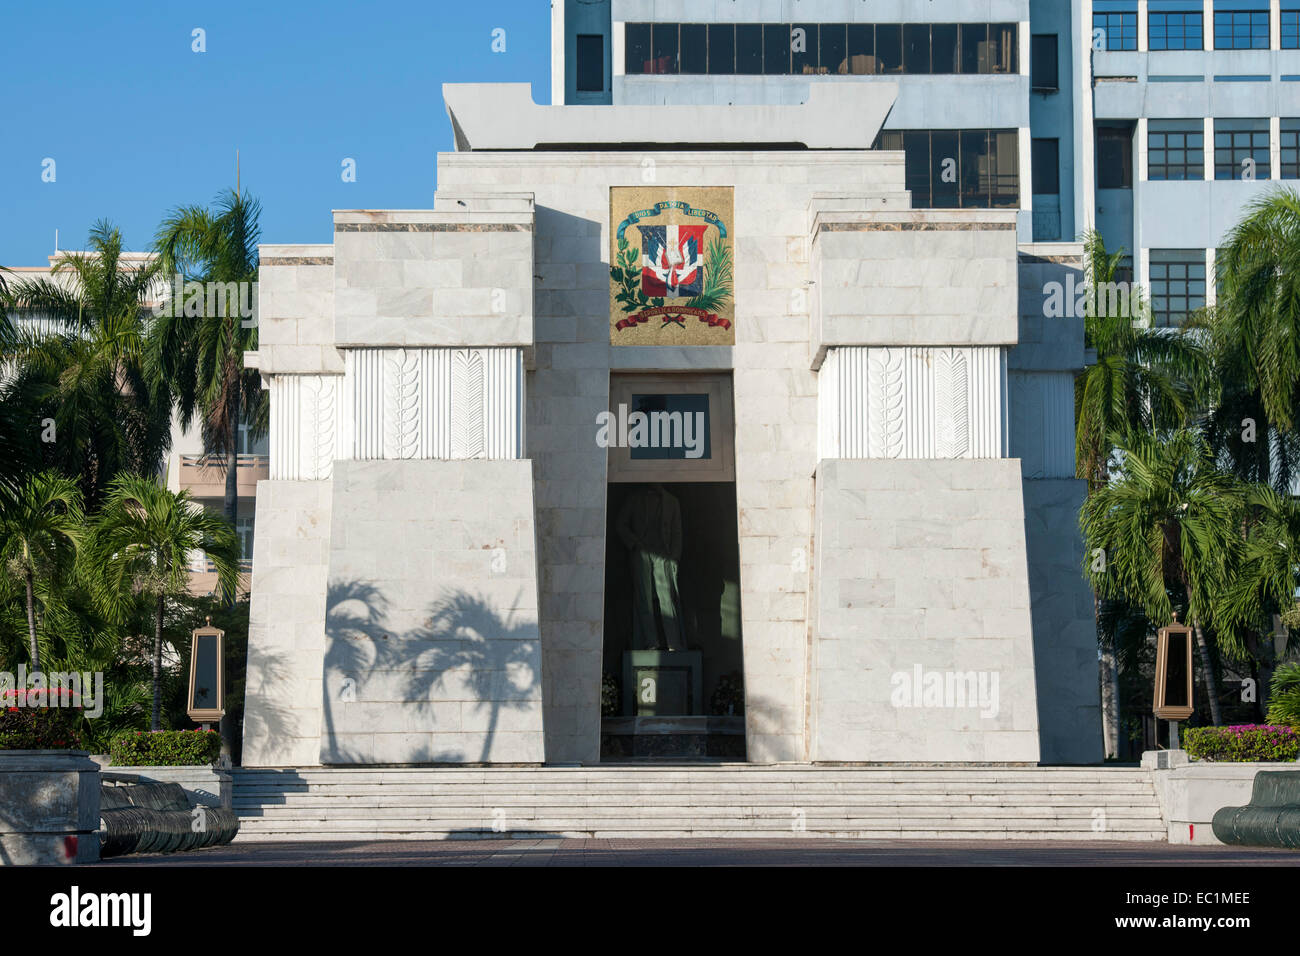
49	807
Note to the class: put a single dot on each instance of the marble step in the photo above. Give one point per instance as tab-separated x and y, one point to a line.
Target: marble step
692	773
352	836
633	829
561	800
685	809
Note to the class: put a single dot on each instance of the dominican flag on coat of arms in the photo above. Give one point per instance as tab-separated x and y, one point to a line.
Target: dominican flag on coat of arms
672	261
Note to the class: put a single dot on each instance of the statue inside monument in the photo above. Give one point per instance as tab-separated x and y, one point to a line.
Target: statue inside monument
650	527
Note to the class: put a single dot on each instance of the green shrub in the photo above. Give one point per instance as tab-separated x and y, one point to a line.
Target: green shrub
1242	743
27	726
165	748
1284	696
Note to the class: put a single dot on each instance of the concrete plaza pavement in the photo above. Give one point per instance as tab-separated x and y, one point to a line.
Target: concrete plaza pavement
791	851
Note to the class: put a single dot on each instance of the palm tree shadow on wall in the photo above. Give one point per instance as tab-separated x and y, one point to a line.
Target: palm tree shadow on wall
269	720
463	643
498	658
354	615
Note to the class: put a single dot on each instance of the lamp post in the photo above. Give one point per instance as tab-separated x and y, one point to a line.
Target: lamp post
207	691
1173	697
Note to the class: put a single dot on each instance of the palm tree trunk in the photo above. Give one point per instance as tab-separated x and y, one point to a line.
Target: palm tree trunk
156	723
31	622
1211	682
1109	687
231	504
232	479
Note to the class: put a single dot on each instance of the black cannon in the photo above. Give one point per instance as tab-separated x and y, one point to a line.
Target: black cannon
158	818
1272	818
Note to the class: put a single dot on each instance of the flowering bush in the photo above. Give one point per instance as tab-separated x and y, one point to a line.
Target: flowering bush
165	748
27	722
1242	743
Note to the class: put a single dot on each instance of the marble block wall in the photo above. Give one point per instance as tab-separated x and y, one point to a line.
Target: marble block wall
432	652
1041	378
912	277
775	392
286	624
923	583
1065	633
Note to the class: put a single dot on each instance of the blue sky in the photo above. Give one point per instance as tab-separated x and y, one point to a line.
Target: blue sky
137	123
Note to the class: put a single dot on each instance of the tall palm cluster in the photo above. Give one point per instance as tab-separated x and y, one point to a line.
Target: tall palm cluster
95	551
1189	440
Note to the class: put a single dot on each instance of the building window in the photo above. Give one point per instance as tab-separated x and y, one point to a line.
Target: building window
636	48
749	49
1118	22
1241	149
1290	142
1290	25
1177	284
831	56
244	530
1043	72
1240	25
916	48
694	48
889	48
591	63
959	168
721	38
1175	149
1046	155
776	49
944	53
663	43
1114	157
802	49
1176	25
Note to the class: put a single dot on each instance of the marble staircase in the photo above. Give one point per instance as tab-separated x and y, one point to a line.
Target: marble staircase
717	801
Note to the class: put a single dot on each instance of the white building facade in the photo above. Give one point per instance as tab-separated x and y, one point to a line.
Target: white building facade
879	559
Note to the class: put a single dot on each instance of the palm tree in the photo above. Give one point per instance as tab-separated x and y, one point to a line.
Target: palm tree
1264	582
40	528
1251	333
78	363
1259	302
1137	382
1167	522
202	357
140	549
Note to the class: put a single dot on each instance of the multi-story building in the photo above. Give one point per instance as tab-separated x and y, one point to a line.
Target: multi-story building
1152	121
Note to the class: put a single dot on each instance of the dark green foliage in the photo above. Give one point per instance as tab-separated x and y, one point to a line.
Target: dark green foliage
165	748
1284	699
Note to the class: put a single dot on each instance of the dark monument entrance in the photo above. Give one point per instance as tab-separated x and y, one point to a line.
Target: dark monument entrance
672	677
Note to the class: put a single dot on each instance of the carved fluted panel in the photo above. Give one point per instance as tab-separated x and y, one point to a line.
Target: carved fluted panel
306	417
912	402
434	403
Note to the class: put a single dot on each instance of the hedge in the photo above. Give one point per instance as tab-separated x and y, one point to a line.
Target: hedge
1242	743
165	748
28	726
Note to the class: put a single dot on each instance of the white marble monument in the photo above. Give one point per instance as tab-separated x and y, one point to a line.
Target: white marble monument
430	575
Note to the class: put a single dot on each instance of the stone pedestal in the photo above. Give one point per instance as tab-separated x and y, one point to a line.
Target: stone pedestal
662	683
672	738
1164	759
49	807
